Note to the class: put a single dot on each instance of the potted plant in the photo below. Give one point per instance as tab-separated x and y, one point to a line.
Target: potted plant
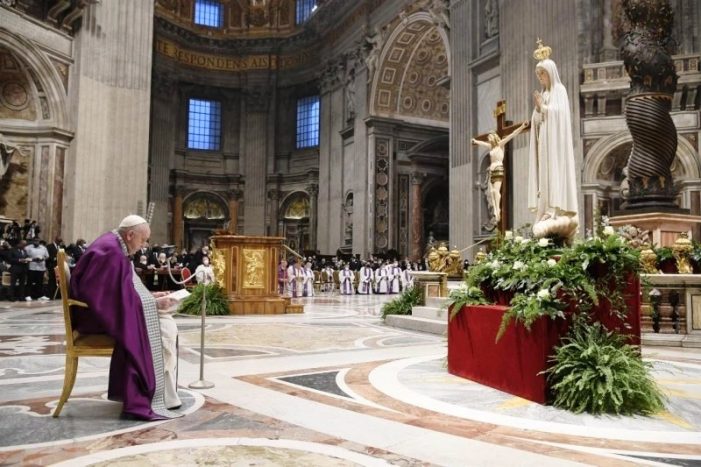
665	260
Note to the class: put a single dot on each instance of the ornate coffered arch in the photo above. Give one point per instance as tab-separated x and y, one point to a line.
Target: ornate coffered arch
49	86
413	63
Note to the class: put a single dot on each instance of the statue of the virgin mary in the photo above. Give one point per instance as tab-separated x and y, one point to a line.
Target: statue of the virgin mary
552	188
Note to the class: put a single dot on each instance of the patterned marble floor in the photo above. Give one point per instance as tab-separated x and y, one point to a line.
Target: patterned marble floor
332	386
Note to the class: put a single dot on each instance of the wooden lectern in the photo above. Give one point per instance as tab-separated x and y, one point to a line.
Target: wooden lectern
250	274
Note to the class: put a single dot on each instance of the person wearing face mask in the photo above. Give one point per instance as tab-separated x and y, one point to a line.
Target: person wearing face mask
346	279
37	254
308	282
53	248
204	274
144	362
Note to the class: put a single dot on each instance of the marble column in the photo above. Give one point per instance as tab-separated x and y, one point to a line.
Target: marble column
609	51
273	203
463	110
177	221
254	142
234	197
313	191
110	98
417	218
162	145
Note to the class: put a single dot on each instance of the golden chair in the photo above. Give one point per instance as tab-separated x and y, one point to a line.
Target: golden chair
77	345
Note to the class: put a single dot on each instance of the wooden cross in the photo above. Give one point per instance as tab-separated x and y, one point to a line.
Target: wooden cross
504	128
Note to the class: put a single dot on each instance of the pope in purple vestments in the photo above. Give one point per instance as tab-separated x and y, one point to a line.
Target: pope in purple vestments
120	306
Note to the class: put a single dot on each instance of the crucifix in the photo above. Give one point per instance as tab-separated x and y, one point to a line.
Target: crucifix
498	144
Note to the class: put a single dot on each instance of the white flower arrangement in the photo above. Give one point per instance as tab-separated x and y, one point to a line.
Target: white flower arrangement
518	239
543	242
495	264
608	231
544	294
552	263
518	265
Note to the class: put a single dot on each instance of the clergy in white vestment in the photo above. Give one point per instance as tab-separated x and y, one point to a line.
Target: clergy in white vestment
292	280
308	282
327	279
299	279
346	279
366	279
395	274
407	279
382	280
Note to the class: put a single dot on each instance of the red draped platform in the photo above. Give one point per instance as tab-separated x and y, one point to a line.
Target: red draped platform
514	364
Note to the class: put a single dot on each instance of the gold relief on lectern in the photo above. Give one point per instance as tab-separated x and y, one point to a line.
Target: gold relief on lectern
253	269
218	264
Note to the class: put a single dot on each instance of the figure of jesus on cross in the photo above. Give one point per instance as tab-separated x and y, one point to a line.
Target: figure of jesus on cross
496	142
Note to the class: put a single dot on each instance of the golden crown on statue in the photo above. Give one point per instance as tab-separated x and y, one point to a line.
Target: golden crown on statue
542	52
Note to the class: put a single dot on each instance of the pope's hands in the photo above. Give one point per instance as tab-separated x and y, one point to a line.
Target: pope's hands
164	303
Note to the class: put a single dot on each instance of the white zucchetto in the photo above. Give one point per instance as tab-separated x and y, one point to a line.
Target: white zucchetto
132	221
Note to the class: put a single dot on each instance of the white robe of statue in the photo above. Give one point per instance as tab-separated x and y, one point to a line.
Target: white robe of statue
552	187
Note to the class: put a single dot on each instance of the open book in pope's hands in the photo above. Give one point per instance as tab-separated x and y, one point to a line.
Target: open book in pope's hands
177	296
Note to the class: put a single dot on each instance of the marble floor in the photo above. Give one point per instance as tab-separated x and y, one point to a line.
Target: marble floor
332	386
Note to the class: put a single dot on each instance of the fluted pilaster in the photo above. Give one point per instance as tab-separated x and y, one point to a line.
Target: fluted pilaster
110	97
461	111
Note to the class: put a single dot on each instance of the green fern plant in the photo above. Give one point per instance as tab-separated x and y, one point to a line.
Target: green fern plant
595	371
403	304
217	303
465	295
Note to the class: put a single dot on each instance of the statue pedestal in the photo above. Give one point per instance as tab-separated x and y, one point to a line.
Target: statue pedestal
664	227
431	284
250	275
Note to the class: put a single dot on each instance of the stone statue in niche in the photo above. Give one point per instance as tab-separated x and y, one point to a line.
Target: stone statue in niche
373	45
350	91
491	18
6	153
348	228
